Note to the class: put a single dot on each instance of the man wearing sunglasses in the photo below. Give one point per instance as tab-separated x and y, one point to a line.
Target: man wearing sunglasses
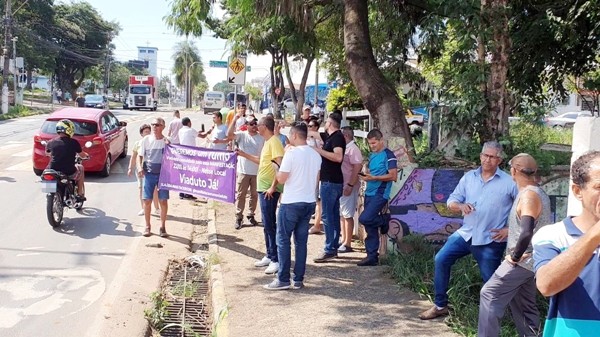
149	165
248	142
484	196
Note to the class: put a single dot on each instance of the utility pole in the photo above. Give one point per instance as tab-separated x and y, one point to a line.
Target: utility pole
106	72
15	80
7	34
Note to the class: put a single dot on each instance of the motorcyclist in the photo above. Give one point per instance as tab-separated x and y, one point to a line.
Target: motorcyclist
63	150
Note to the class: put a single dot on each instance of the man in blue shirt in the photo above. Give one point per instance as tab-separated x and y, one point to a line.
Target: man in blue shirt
484	196
383	171
567	260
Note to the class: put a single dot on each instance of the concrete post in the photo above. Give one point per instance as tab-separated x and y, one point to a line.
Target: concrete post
585	138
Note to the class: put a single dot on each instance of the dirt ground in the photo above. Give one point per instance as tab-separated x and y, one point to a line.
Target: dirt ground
339	298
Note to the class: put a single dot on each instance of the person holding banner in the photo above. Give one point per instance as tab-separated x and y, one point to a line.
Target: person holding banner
149	165
268	189
218	133
299	173
249	142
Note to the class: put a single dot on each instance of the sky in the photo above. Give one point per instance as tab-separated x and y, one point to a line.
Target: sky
142	24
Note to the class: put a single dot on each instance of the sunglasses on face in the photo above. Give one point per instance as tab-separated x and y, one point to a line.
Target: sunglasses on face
311	125
156	124
252	124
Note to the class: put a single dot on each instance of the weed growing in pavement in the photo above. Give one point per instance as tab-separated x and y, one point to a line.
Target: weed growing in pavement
185	289
158	313
222	314
413	268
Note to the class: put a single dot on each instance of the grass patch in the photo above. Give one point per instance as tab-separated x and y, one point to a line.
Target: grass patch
413	268
20	111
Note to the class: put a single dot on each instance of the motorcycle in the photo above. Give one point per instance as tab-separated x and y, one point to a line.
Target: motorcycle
61	192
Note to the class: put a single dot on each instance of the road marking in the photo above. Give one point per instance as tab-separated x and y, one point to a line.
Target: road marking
26	153
23	166
58	287
28	254
33	248
9	146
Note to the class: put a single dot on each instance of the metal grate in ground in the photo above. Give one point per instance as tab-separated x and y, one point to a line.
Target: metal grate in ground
189	308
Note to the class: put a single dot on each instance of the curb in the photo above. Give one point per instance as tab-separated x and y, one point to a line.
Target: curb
220	306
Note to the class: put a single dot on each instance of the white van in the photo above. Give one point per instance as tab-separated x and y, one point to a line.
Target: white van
213	101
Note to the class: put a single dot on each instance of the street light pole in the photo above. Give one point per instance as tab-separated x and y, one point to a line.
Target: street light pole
15	81
7	33
189	83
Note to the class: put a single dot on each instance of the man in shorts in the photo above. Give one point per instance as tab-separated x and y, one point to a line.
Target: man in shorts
149	166
351	165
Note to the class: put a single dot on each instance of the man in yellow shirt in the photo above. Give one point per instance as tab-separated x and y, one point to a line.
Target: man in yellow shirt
268	189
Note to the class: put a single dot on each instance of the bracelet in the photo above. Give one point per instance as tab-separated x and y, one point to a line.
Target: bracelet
274	162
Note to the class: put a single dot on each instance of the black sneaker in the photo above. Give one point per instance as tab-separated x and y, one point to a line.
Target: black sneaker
238	223
386	224
367	262
324	257
253	221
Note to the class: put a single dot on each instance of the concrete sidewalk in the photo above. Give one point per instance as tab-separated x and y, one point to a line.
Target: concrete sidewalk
339	298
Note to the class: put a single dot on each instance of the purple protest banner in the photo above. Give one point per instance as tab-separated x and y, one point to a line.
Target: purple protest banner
199	172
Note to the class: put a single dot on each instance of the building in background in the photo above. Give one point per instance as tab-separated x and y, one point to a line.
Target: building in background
149	54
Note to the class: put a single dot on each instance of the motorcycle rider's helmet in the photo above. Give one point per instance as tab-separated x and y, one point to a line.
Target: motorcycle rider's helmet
65	126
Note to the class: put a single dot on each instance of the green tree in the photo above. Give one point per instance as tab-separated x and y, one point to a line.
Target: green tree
163	87
119	76
82	39
224	87
187	59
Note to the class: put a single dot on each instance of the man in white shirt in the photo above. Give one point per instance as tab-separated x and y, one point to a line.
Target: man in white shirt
250	142
187	136
174	127
299	172
218	133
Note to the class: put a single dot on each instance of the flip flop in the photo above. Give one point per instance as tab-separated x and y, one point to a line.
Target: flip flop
163	233
147	232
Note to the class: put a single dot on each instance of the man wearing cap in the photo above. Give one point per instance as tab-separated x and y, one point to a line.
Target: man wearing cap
249	142
513	283
305	115
332	182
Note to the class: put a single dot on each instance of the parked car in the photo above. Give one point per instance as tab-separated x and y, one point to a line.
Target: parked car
566	120
96	101
108	136
414	119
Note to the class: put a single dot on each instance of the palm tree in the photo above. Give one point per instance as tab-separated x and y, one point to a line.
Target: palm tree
187	58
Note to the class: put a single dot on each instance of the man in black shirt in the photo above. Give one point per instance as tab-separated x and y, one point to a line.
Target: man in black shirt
62	151
80	100
332	183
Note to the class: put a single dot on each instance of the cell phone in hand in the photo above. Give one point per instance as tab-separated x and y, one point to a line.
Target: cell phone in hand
202	127
361	174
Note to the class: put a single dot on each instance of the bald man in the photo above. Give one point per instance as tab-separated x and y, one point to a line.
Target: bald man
513	283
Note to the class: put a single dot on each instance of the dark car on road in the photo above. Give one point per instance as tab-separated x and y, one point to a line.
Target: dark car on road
96	101
107	134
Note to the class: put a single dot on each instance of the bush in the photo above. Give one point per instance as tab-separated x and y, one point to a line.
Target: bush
18	111
344	97
413	268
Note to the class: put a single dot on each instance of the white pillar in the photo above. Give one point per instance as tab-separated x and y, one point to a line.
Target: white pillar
585	138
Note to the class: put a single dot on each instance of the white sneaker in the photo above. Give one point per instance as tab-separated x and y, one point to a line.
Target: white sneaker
262	263
272	268
141	212
157	211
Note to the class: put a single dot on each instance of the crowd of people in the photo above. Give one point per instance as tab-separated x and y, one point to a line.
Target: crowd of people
507	225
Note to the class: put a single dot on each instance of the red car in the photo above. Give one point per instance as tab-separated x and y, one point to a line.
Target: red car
107	135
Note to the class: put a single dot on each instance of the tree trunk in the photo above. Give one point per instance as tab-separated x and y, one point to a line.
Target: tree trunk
276	80
302	89
494	12
288	75
378	96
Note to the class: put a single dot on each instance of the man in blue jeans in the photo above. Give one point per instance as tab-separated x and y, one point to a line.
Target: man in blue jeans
299	173
484	196
383	171
332	183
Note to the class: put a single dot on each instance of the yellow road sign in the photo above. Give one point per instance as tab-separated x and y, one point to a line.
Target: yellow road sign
236	66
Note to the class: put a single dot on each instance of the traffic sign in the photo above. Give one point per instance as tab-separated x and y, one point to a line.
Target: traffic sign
218	64
236	71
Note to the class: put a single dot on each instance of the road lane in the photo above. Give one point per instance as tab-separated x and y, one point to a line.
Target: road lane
53	281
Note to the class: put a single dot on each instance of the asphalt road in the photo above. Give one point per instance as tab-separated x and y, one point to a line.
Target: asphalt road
53	281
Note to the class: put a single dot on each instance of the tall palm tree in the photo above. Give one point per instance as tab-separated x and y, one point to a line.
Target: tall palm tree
187	58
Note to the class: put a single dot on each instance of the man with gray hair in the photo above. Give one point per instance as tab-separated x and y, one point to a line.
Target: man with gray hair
484	196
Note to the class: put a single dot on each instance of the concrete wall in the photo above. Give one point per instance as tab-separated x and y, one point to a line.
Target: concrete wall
586	138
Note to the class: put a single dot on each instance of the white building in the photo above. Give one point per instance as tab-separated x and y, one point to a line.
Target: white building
149	54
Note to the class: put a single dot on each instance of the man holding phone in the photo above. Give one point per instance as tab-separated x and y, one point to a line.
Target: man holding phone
484	196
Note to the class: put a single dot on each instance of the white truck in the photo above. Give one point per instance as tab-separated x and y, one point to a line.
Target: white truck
142	93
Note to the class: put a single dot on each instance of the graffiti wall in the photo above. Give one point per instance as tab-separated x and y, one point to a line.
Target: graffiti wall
418	203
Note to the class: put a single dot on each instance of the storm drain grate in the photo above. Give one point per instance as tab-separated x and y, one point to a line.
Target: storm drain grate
189	309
